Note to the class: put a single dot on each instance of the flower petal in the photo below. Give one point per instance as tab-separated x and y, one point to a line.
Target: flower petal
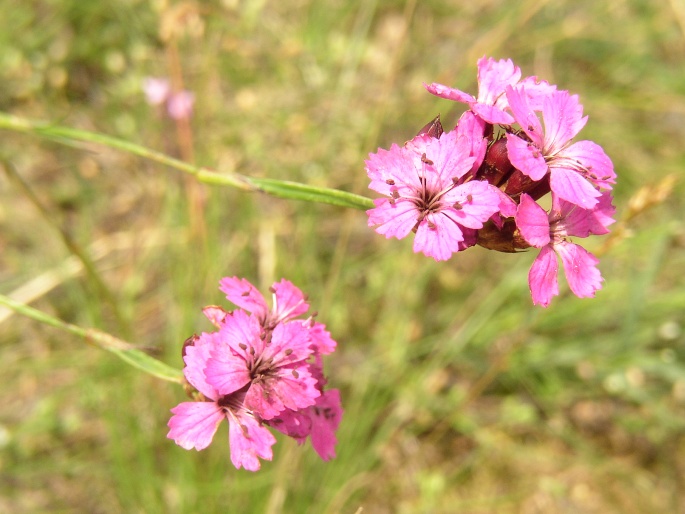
525	116
449	93
249	441
326	416
563	117
532	222
291	388
195	358
492	114
542	277
438	237
493	78
597	166
194	424
395	219
583	222
526	157
215	314
244	295
569	185
580	268
289	301
472	204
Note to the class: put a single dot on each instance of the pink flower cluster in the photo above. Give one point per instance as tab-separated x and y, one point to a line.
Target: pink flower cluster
158	91
261	367
480	182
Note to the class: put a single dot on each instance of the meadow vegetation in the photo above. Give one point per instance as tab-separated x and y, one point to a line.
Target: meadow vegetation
459	394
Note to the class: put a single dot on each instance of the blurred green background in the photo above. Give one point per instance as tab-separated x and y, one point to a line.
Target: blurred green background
459	395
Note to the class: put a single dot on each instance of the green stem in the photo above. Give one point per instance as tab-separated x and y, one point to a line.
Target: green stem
278	188
125	351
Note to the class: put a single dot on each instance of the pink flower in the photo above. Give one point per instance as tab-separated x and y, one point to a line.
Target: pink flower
264	368
424	193
549	232
493	78
271	365
180	105
576	170
289	303
194	424
157	90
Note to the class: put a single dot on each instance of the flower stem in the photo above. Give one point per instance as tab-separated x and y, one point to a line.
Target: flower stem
279	188
125	351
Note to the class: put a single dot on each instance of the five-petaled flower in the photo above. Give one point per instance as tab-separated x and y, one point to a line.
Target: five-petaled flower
550	232
576	171
424	193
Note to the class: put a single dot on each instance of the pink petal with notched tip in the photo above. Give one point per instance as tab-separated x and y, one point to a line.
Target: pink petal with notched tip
493	78
597	166
240	292
393	220
542	277
526	157
194	424
289	301
569	185
195	359
563	117
249	441
439	242
532	222
525	116
580	268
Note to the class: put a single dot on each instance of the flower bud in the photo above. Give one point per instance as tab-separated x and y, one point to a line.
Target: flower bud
432	129
496	165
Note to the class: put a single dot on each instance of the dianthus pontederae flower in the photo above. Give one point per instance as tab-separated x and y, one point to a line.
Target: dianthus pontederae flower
194	424
421	182
577	170
257	370
272	365
550	231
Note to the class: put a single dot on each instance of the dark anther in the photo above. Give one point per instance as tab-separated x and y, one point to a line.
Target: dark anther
426	160
390	182
296	374
242	346
288	351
